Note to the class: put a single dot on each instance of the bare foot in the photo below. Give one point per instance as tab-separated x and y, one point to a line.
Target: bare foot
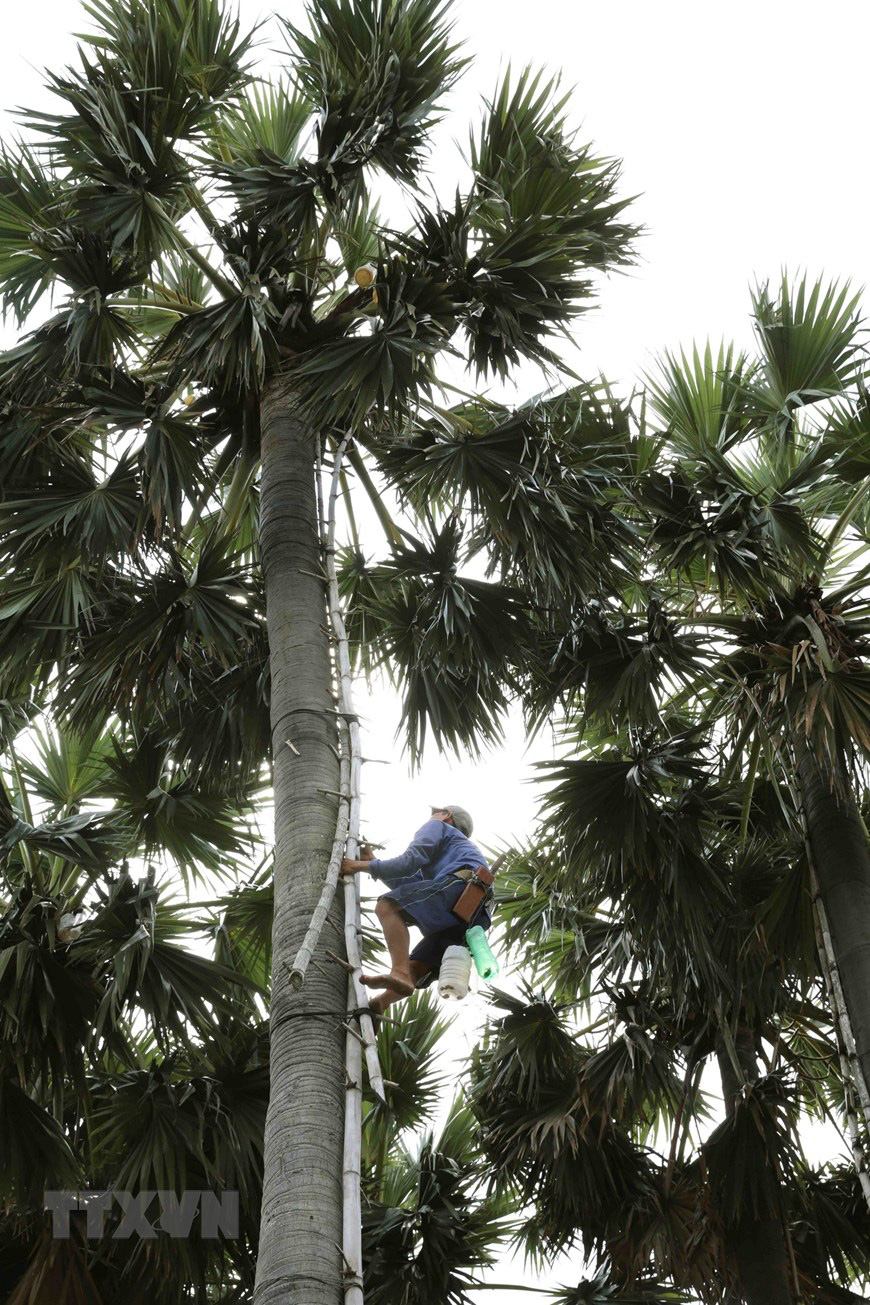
399	983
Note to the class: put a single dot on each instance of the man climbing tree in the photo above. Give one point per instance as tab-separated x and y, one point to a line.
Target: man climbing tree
426	883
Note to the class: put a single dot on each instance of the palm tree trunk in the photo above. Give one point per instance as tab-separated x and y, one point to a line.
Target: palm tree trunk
758	1245
838	844
299	1257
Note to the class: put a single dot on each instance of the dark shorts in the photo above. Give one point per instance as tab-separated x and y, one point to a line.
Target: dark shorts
428	903
430	951
435	941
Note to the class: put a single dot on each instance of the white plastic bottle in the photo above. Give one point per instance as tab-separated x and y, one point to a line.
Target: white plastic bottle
455	973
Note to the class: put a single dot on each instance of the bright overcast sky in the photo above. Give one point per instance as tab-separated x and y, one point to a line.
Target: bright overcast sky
742	128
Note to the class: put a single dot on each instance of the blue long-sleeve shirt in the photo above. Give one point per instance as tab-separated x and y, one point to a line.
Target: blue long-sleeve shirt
436	850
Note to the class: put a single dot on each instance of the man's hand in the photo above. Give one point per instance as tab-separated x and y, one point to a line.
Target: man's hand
352	866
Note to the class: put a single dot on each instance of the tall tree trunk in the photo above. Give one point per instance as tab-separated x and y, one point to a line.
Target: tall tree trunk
299	1256
758	1245
842	863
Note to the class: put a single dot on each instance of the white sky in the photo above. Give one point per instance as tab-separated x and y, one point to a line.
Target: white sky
742	127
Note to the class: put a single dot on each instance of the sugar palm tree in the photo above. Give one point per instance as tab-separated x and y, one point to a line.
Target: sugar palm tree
744	627
235	313
753	503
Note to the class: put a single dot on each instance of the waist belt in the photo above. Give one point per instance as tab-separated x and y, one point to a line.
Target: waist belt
480	873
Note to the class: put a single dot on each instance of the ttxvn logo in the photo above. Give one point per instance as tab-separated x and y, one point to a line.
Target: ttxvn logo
218	1214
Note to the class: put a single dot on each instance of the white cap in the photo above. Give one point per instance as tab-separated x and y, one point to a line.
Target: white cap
461	819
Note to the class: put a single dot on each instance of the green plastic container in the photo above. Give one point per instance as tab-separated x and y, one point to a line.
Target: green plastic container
484	961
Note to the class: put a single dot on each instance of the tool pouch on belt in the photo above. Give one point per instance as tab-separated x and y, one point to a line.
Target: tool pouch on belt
473	895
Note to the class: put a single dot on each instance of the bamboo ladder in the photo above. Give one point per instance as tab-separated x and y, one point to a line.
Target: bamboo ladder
363	1041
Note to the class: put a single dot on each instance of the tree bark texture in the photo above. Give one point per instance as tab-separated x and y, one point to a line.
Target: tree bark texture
758	1245
838	845
299	1260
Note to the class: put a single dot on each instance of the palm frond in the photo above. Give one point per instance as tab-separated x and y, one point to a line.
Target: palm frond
67	769
522	475
88	839
434	1231
193	53
408	1051
35	1157
747	1155
834	1229
132	179
808	336
165	813
357	234
613	667
451	641
376	70
28	197
526	273
243	933
579	1171
78	344
270	120
702	399
100	516
142	947
227	345
174	442
384	362
50	998
150	630
601	1290
633	1080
